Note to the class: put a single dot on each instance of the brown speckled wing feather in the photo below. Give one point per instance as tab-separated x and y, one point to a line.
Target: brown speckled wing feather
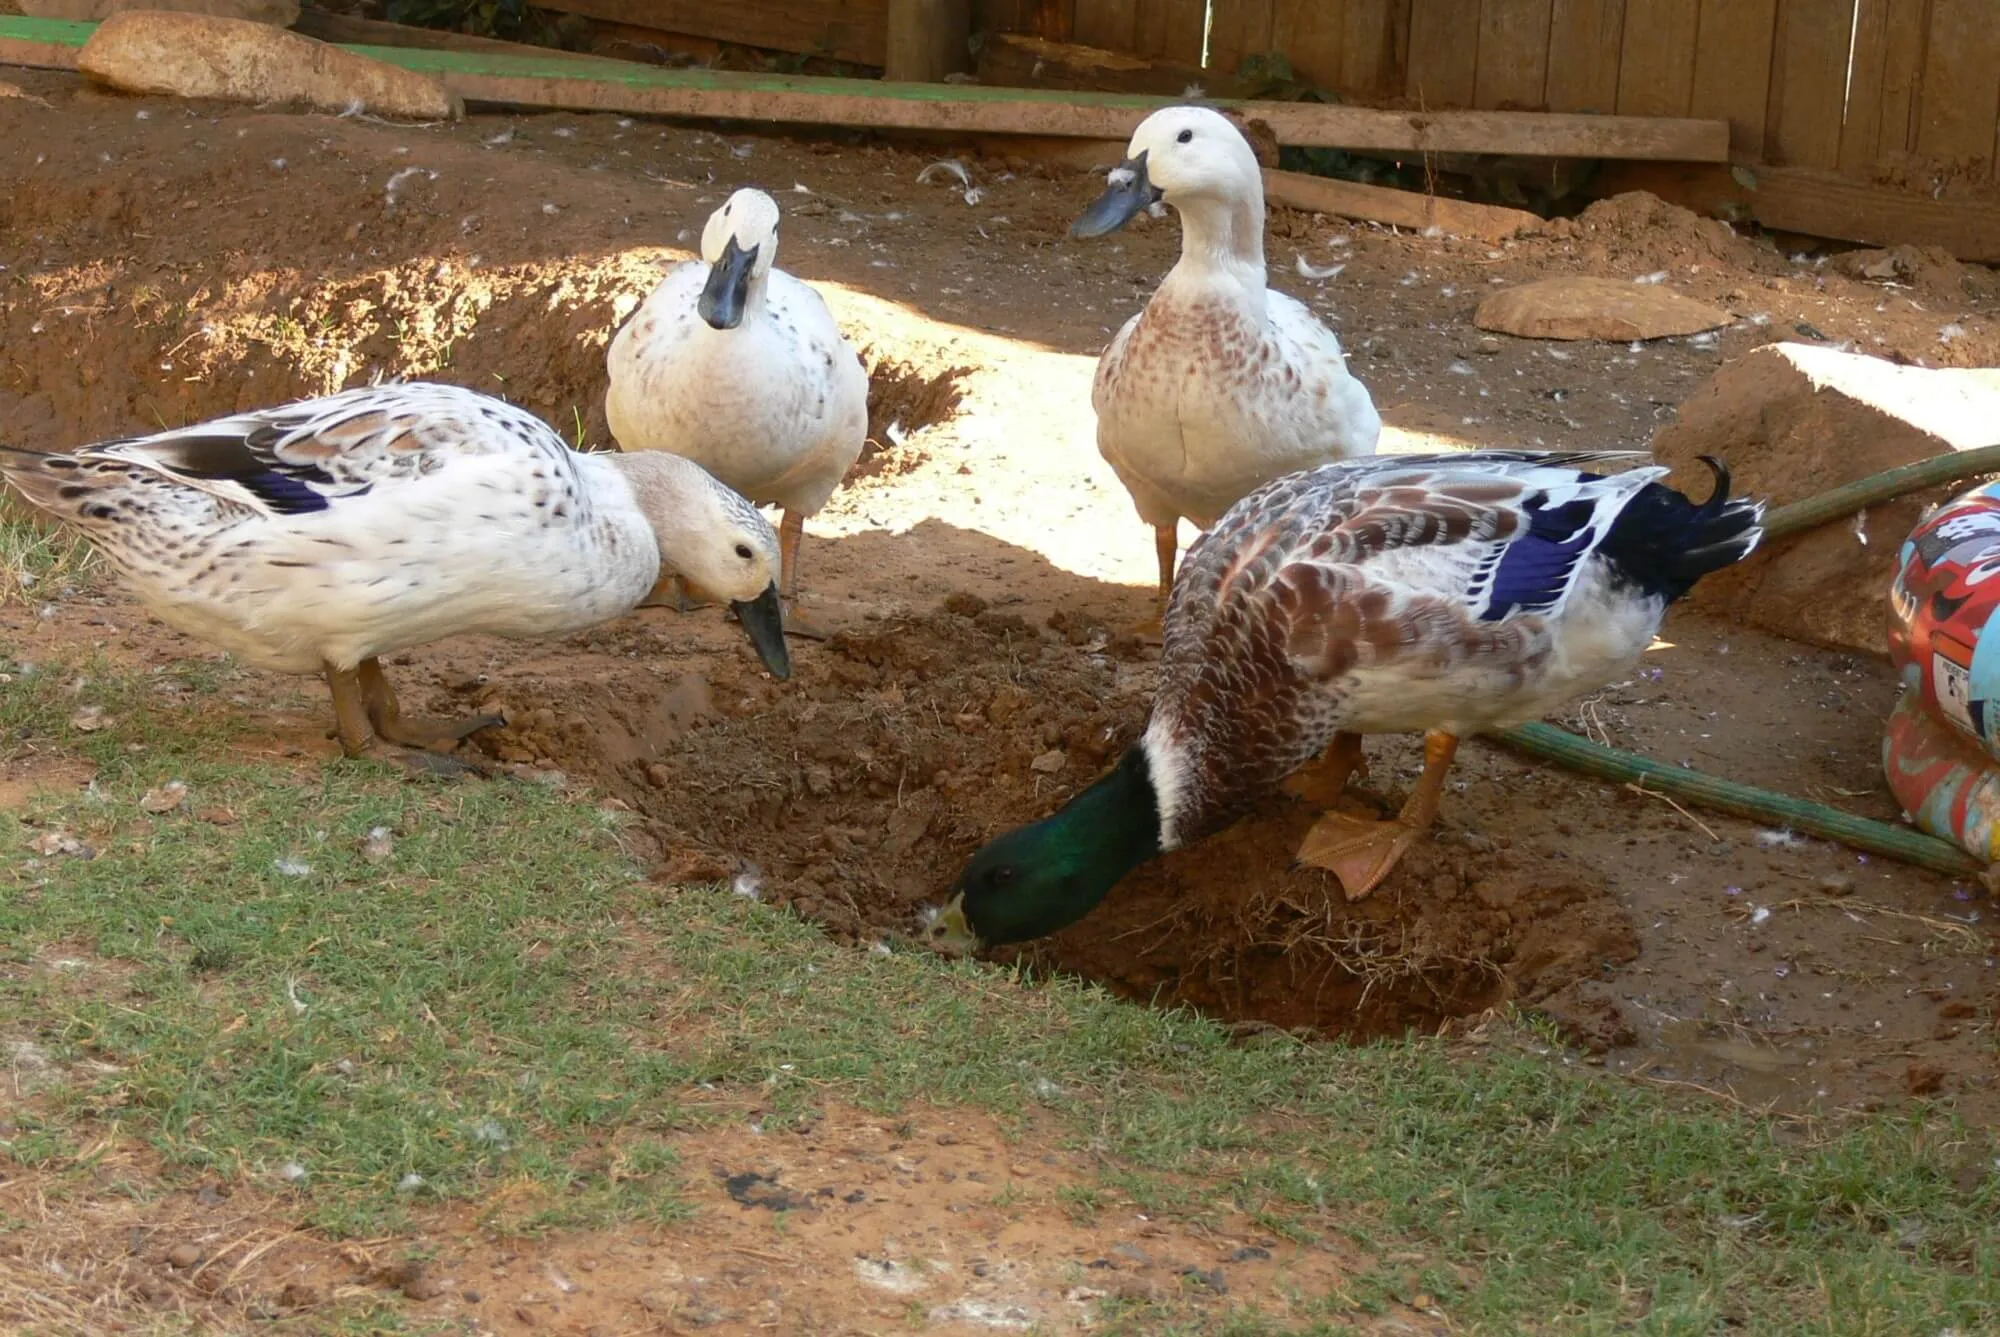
1312	578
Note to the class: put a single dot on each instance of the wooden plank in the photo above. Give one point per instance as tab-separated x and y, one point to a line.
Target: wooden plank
1513	54
1861	127
1238	30
1821	204
928	39
1374	48
1908	26
1109	24
1398	208
1444	52
970	108
1961	88
1310	33
855	30
1010	60
1586	43
1808	96
327	26
1732	70
1656	61
42	44
1171	30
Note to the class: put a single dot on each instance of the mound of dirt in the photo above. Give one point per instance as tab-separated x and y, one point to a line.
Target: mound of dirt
854	792
1639	228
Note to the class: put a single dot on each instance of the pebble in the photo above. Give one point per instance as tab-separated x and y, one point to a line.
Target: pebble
183	1256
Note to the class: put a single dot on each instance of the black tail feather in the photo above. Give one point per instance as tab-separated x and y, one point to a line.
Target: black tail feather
1663	542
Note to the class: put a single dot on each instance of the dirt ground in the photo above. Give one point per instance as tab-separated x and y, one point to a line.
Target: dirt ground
161	262
854	1225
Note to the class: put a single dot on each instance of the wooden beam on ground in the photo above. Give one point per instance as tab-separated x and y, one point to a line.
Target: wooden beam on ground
1016	60
1821	204
346	30
1398	208
558	80
854	30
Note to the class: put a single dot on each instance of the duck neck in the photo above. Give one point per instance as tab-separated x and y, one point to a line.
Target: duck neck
1098	837
1222	242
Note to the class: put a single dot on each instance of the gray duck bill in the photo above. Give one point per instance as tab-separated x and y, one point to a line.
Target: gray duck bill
764	619
728	287
1121	202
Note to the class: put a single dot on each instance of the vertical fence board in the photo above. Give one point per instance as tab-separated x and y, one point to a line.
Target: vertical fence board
1110	24
1908	27
1961	83
1656	64
1513	61
1861	129
1808	83
1171	30
1586	38
1732	70
1310	33
1374	50
1444	51
1238	28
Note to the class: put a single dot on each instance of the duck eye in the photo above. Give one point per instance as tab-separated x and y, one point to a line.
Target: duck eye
1185	137
1003	875
743	551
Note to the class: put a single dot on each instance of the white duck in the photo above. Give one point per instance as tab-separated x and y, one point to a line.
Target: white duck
318	536
1219	385
740	367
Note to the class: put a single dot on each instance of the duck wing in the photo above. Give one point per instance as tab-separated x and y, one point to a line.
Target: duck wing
1365	579
311	456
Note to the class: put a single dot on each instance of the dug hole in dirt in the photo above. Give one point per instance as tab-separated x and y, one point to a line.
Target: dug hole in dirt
853	793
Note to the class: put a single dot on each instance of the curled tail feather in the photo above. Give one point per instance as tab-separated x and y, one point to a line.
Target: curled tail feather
1663	542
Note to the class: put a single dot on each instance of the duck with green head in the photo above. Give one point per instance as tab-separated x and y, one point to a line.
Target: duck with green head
1442	594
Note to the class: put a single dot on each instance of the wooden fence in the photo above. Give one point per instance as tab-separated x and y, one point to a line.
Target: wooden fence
1862	87
1905	92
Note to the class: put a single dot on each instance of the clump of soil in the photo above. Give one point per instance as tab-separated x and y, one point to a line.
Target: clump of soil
904	397
854	792
1639	227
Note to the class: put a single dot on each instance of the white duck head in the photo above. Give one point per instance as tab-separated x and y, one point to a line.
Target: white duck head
738	245
716	541
1193	159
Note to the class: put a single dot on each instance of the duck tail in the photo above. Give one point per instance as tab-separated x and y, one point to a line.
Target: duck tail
1663	542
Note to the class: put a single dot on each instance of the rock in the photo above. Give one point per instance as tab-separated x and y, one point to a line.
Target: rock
1793	421
194	55
1584	308
183	1256
278	13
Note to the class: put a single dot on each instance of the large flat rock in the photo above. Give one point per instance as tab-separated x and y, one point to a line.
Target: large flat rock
1589	308
279	13
1796	420
196	55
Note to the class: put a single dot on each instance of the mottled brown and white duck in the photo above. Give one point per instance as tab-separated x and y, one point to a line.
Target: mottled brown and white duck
1447	594
1220	384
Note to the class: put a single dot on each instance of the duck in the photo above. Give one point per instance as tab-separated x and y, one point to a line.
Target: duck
1445	594
740	367
319	536
1219	384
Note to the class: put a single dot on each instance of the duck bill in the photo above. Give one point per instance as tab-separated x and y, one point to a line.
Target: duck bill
764	620
1127	194
728	287
949	933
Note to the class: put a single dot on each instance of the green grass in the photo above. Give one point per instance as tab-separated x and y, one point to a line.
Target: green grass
503	1000
38	559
